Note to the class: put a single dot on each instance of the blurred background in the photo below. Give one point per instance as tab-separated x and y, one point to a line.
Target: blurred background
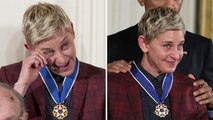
197	15
88	17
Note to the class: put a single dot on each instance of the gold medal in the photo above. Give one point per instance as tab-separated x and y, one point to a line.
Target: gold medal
60	111
161	110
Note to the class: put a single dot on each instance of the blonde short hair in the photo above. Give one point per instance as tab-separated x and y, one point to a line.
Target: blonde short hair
158	20
42	20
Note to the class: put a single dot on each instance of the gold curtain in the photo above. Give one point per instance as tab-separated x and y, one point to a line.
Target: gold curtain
206	18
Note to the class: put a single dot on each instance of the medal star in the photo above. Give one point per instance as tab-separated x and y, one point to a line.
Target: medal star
60	111
161	110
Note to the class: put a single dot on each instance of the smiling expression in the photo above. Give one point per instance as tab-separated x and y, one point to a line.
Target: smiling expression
59	50
163	53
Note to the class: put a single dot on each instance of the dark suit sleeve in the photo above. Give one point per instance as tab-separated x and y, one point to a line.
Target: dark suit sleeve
124	45
199	58
112	49
207	73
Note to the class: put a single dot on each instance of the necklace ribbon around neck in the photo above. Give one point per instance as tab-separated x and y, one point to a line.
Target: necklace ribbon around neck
52	87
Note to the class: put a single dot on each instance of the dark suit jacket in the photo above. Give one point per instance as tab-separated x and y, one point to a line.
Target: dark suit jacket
198	61
124	102
88	92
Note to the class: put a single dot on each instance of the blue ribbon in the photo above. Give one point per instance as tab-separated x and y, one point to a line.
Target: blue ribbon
52	86
148	86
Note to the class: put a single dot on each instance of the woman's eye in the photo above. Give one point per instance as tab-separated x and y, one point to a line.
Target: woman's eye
166	46
180	46
65	46
48	53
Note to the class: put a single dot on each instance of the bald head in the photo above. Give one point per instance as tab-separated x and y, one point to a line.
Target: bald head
11	104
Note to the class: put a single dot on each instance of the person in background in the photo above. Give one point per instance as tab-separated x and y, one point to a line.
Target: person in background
12	106
151	91
55	84
196	63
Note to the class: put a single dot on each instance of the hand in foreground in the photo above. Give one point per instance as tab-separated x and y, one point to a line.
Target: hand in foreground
31	66
118	66
204	94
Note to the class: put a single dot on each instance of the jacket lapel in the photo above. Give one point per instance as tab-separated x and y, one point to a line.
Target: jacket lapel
133	92
79	93
38	90
175	97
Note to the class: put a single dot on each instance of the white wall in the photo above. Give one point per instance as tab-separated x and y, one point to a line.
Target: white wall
88	18
122	14
188	13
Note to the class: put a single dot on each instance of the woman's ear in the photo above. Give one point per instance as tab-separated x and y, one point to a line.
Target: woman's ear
28	47
143	44
73	31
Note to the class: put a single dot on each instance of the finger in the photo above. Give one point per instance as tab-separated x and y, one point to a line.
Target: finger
41	56
122	63
34	60
114	66
123	70
200	83
202	97
202	90
124	66
119	66
36	64
116	69
208	100
38	60
113	69
191	76
30	62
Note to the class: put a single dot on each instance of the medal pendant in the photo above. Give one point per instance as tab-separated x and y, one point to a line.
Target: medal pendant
60	111
161	110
